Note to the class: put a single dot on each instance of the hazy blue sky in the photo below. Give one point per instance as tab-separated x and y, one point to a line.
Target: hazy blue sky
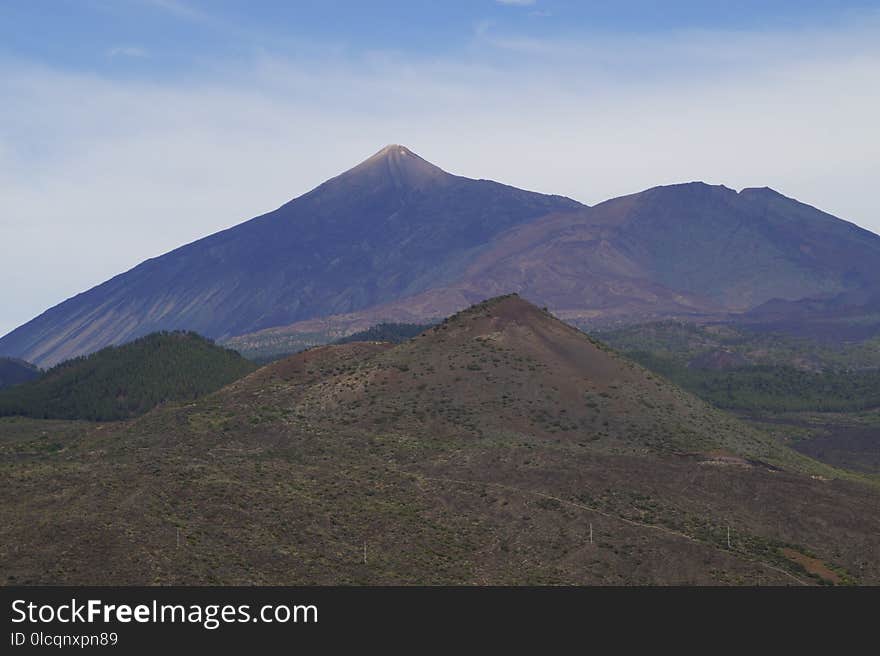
129	127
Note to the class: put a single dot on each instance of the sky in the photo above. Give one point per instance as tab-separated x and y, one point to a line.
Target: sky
131	127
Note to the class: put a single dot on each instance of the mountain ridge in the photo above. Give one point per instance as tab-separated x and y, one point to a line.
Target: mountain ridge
687	251
391	226
398	239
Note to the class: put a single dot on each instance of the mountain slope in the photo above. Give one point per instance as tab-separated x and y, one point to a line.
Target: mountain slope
742	249
397	239
287	475
852	315
390	227
687	251
14	371
125	381
505	365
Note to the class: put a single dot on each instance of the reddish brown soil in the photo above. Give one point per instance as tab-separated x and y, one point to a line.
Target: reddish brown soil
812	565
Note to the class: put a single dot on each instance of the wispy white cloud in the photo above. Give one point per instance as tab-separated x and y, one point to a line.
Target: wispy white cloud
127	51
97	174
481	28
177	8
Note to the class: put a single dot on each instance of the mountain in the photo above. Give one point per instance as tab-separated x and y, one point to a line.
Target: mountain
125	381
850	315
687	251
506	365
740	249
392	226
14	371
396	239
501	446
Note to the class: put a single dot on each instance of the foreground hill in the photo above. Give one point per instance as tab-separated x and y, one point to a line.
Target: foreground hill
390	227
505	366
820	396
500	447
689	251
125	381
14	371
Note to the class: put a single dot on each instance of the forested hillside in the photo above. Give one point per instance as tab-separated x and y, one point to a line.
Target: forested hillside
125	381
773	388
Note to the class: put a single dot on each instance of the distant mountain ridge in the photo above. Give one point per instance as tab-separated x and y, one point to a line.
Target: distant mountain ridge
397	239
390	227
687	251
754	245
